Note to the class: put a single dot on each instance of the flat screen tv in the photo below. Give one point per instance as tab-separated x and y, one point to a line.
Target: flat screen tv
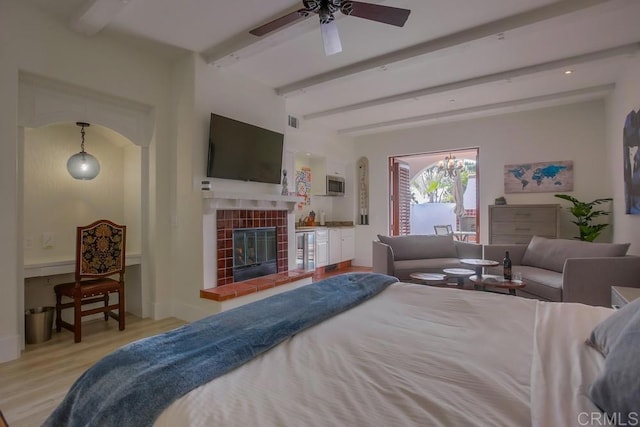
243	152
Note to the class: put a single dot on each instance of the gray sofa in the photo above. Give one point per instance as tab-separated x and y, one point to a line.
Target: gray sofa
402	255
569	270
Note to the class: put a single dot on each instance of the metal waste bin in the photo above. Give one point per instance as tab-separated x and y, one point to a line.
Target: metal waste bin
38	323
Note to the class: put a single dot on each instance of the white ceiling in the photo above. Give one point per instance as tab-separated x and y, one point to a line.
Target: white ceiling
453	58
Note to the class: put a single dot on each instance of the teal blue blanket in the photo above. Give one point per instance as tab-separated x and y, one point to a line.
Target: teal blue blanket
134	384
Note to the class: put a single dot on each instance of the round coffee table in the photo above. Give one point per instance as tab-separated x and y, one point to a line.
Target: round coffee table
458	273
479	264
493	281
431	279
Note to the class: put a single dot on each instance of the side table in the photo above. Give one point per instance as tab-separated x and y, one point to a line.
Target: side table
622	295
431	279
490	280
459	274
479	264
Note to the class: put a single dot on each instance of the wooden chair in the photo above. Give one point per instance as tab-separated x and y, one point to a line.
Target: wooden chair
100	253
443	230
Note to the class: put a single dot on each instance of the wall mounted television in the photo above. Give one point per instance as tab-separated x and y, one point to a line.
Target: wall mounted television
243	152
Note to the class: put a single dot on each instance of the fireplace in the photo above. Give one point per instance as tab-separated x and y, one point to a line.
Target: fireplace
255	253
227	221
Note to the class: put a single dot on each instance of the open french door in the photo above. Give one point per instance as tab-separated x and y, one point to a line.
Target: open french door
400	198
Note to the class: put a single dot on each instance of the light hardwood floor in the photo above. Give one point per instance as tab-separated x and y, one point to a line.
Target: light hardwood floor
32	386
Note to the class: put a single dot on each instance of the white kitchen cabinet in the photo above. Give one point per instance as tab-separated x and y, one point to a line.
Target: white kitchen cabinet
341	245
335	168
321	167
335	245
347	247
322	247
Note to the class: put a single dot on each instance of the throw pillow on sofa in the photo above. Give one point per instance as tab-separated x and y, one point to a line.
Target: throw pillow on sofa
420	246
550	254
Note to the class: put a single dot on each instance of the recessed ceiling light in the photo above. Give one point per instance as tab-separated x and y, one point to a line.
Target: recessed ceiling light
568	72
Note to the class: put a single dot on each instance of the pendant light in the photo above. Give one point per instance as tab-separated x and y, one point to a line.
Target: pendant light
83	165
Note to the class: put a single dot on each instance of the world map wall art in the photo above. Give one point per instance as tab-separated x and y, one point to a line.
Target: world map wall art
543	177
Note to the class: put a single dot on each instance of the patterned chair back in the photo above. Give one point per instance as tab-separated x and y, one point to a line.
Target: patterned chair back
100	250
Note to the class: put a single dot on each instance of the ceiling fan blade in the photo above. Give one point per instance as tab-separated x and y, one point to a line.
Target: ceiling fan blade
331	38
376	12
279	22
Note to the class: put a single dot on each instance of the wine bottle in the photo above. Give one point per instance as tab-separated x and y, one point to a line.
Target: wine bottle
506	266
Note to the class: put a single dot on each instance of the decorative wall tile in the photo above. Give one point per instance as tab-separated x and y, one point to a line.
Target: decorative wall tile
229	219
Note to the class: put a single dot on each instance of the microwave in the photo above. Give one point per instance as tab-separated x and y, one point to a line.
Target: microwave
335	185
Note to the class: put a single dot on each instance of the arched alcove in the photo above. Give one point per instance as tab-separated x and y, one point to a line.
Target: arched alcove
120	133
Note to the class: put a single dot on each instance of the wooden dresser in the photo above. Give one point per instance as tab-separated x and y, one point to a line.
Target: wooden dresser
518	223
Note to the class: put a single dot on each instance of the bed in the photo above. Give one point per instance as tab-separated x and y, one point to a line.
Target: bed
403	354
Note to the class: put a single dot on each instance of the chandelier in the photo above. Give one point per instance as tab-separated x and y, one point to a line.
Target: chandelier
450	166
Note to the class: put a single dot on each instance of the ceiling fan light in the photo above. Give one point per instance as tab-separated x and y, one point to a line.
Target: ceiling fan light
331	38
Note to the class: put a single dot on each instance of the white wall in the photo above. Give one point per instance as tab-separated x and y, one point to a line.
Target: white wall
132	197
226	93
48	188
30	42
55	203
624	99
572	132
321	143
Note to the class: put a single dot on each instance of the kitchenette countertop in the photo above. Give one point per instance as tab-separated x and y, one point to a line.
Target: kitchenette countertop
328	224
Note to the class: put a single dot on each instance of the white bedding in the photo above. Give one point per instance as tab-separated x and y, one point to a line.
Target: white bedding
414	355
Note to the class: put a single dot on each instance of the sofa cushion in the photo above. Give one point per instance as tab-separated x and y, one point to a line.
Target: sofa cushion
402	269
420	246
550	254
541	283
546	284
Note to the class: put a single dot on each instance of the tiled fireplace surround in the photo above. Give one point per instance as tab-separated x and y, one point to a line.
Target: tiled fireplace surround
229	219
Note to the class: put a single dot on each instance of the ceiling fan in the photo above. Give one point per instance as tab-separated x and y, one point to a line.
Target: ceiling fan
325	10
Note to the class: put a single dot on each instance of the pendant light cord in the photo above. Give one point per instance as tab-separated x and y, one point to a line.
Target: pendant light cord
82	143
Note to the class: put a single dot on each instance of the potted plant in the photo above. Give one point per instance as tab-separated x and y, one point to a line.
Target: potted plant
584	213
